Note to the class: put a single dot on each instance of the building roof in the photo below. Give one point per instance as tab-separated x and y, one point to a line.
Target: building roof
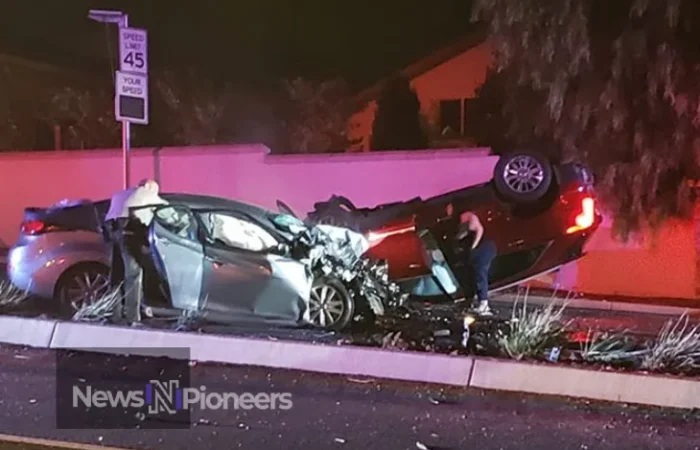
44	55
428	63
34	65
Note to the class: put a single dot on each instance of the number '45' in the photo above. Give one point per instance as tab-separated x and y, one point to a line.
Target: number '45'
135	60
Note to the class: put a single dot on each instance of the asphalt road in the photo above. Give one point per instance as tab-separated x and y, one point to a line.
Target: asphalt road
337	412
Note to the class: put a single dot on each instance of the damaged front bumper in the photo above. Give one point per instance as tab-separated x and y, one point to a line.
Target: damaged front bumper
339	253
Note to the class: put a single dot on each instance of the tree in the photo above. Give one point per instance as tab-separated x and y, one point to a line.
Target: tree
485	118
317	116
397	121
193	108
86	117
611	83
24	104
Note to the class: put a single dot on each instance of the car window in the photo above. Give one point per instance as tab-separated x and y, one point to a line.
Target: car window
178	220
235	232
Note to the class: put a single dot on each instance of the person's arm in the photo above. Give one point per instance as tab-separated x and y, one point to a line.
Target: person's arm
473	224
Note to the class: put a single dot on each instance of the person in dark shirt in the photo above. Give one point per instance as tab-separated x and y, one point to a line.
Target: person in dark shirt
480	255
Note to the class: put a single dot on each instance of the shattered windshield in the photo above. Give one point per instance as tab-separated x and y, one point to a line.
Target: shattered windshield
289	223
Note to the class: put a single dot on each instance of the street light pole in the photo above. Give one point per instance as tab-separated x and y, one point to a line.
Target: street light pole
122	21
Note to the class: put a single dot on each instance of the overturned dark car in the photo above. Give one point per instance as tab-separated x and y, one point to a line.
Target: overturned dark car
539	215
234	262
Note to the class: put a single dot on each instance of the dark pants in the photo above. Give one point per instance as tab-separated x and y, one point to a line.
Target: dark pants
128	239
479	260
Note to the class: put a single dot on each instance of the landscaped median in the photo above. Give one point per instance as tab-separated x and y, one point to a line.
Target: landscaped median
485	373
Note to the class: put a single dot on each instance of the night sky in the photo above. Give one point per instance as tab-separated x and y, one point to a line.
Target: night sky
242	41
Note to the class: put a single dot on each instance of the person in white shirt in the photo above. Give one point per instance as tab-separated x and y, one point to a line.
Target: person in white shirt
127	231
146	193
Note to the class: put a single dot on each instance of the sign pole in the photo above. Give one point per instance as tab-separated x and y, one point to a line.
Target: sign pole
126	134
126	152
130	81
131	87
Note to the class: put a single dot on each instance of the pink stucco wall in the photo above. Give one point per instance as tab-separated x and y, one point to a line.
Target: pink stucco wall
245	172
659	266
249	173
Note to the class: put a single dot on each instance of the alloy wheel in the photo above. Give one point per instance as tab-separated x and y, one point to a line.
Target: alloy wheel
523	174
85	288
326	306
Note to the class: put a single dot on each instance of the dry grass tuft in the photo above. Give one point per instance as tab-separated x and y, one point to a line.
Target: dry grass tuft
100	310
10	295
676	348
530	333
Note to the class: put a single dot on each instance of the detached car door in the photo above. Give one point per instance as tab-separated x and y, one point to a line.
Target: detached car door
178	254
243	277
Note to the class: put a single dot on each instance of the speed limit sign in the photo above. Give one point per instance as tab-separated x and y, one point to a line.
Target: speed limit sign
133	51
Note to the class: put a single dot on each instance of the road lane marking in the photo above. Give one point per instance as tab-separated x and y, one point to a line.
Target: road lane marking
7	438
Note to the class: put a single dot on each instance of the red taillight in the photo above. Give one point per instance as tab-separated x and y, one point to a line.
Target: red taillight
586	218
33	227
375	237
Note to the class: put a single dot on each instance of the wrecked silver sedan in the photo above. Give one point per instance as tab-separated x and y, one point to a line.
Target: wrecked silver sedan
236	262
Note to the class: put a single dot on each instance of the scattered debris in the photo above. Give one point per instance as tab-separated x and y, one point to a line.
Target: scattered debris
361	381
191	319
393	340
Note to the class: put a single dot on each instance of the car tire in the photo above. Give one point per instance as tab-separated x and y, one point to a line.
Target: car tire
97	274
523	176
331	292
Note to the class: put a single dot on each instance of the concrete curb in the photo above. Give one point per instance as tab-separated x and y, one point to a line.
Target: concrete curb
358	361
599	305
23	331
482	373
591	384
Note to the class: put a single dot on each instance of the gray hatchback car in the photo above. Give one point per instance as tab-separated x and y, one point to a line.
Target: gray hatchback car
61	253
231	260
